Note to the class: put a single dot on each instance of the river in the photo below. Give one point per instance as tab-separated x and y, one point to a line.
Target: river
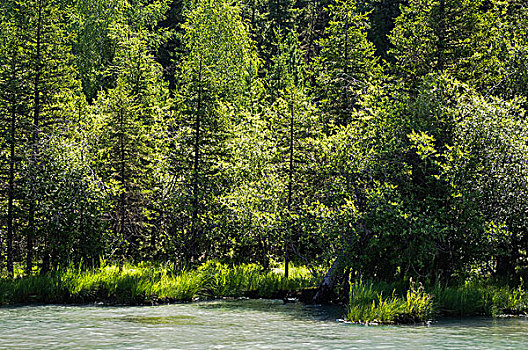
239	324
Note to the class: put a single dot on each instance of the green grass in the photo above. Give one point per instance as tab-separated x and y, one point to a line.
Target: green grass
147	283
480	298
369	304
383	303
226	280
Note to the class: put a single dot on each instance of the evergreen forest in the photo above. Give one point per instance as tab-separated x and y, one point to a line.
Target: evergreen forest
378	138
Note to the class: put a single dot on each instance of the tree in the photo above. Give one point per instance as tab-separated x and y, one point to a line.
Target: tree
382	16
41	78
94	45
134	113
345	65
14	93
487	166
218	69
435	36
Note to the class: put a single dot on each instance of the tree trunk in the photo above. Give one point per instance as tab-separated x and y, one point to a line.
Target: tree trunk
35	140
11	193
290	184
326	288
196	165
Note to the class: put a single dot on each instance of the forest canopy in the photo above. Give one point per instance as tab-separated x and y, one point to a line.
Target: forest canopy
389	137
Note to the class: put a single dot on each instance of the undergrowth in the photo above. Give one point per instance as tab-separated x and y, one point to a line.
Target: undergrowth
148	283
379	302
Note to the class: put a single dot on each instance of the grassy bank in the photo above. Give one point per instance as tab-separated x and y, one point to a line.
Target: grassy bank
382	303
147	283
370	303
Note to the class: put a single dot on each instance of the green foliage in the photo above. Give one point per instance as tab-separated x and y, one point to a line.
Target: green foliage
345	65
96	45
424	39
220	53
132	143
368	305
146	283
283	135
215	82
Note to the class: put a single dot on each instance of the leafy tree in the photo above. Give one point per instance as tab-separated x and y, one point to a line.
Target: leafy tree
95	44
487	166
72	199
503	70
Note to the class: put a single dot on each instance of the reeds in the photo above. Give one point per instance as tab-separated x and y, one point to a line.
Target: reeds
368	304
479	298
378	302
148	283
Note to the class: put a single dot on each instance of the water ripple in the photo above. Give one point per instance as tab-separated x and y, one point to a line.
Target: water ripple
240	324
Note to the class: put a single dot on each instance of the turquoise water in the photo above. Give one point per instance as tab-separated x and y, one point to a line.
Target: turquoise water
239	324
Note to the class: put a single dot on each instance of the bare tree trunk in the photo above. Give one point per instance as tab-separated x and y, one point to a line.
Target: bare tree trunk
324	294
122	196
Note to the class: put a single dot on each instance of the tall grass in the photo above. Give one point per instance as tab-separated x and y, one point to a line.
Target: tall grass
369	304
378	302
239	280
479	298
144	283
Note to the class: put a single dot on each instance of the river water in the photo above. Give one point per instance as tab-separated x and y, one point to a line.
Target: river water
239	324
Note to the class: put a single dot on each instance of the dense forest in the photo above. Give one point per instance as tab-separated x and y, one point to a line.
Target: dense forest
385	137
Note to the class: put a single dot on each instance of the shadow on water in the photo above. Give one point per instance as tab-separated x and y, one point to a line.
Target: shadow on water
161	320
297	310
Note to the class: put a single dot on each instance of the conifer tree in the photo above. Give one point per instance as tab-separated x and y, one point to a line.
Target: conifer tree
434	36
218	69
294	125
345	64
14	94
134	114
41	79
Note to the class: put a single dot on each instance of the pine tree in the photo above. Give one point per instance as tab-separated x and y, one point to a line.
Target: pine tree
134	115
345	65
218	69
434	36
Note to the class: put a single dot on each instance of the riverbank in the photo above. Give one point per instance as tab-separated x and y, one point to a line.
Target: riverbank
153	284
368	302
383	303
